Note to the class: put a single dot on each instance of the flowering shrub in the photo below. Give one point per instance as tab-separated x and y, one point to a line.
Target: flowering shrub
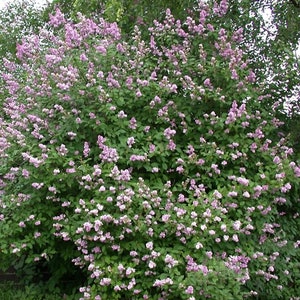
147	163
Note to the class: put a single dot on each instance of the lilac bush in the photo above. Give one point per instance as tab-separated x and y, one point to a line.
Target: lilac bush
147	162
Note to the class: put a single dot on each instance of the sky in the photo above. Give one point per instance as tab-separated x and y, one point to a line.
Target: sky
38	2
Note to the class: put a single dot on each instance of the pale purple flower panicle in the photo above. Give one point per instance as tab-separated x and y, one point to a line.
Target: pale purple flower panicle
57	19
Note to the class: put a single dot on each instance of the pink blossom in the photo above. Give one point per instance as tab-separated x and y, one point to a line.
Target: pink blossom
210	27
198	246
149	245
171	146
57	19
155	170
151	264
151	148
122	114
37	185
165	217
132	123
86	149
162	282
87	226
226	237
232	194
168	133
52	189
242	181
25	173
70	170
37	235
235	238
135	157
246	194
62	150
237	225
276	160
105	281
130	141
22	224
170	261
109	154
189	290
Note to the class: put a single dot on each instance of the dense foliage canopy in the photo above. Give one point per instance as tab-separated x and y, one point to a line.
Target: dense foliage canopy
153	161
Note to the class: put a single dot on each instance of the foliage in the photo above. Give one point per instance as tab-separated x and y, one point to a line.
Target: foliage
11	291
148	163
126	13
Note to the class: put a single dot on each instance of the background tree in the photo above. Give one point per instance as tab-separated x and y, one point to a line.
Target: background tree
271	42
126	13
